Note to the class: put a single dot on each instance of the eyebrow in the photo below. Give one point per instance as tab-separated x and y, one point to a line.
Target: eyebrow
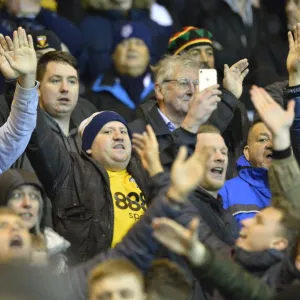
56	75
114	128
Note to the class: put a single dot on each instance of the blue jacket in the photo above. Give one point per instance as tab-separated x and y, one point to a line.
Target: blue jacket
107	93
248	193
98	32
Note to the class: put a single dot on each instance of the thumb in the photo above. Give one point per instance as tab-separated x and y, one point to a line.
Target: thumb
193	227
182	155
226	69
291	106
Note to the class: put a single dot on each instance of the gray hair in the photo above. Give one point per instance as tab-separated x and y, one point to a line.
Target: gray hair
166	67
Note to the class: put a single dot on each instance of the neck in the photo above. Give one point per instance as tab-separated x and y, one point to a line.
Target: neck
64	124
212	193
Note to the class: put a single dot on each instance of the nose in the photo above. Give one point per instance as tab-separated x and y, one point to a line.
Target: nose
247	222
118	135
203	57
269	145
219	156
26	201
64	87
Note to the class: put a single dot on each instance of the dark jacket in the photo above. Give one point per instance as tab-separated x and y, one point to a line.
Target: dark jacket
253	184
230	118
107	93
100	47
67	32
268	61
80	192
83	110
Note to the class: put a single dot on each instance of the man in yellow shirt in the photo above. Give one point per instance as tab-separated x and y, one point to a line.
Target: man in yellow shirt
113	150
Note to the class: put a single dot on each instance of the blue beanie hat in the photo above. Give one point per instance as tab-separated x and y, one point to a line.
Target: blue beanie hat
133	30
95	125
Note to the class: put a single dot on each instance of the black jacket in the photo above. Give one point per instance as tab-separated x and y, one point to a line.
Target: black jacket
230	118
83	110
80	192
268	61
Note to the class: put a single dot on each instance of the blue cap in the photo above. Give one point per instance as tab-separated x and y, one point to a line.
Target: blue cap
133	30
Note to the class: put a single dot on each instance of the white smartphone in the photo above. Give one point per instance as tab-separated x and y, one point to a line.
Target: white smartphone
207	78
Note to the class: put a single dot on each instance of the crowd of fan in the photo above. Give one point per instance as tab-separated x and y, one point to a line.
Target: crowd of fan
121	178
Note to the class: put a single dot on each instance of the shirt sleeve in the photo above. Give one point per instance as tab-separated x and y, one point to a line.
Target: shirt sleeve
16	132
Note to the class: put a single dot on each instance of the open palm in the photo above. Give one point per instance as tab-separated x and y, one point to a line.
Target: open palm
234	77
186	174
272	114
293	59
17	57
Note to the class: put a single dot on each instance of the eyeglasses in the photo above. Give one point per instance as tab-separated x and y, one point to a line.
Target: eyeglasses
184	83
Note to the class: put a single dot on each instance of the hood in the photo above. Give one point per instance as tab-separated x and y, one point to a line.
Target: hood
55	243
12	179
255	177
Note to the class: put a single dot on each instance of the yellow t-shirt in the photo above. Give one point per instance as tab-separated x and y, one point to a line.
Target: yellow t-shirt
129	203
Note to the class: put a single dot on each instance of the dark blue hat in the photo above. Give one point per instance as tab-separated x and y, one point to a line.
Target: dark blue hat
133	30
91	126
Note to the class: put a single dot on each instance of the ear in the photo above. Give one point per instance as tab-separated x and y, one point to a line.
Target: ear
158	93
279	244
246	152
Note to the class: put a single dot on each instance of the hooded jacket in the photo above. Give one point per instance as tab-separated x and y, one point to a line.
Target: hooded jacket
56	245
247	193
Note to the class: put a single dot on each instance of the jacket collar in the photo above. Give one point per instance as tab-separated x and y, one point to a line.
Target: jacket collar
259	261
153	117
256	177
206	197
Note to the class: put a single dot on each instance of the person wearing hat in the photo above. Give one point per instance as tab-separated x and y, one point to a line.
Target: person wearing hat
195	41
96	195
124	87
23	193
45	41
189	50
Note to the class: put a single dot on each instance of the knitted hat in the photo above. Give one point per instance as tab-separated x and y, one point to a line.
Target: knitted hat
133	30
90	127
187	38
45	39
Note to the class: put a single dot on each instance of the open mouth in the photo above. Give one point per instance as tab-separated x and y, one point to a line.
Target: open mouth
63	100
270	155
217	170
26	215
119	146
16	242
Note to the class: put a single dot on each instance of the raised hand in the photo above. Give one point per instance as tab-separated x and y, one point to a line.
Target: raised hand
274	116
201	107
186	174
147	147
293	59
182	241
234	77
18	56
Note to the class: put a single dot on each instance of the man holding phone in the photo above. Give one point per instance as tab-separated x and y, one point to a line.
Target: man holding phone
180	109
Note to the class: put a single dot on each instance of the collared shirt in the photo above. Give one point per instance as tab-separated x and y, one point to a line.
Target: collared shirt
170	124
